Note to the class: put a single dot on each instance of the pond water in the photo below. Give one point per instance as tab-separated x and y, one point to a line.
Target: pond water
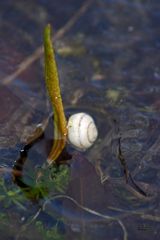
108	59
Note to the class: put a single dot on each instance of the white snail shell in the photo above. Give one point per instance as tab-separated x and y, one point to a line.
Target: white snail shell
82	131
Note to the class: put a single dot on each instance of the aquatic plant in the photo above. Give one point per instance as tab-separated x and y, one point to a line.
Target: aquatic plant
81	129
52	84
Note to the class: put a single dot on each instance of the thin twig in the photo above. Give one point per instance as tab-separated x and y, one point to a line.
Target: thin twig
91	211
151	217
29	222
125	236
39	51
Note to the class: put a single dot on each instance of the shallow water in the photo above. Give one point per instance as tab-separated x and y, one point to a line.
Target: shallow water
108	63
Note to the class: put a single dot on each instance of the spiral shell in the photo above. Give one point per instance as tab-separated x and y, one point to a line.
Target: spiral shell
82	131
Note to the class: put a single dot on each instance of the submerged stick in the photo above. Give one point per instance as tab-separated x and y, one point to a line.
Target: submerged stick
52	85
39	51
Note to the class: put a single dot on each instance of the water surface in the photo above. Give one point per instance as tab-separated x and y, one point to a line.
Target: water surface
108	63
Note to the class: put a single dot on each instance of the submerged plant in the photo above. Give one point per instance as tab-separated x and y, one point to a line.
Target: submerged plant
49	234
57	181
81	130
11	196
52	84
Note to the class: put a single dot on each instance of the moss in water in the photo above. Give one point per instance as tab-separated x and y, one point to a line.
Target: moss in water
49	234
55	178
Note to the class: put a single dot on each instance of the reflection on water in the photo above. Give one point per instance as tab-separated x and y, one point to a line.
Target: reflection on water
109	67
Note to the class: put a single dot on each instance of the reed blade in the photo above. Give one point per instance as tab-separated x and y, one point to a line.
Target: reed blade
53	88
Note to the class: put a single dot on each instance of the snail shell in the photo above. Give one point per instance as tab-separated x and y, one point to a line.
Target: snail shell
82	131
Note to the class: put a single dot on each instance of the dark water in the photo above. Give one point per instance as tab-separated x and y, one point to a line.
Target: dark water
108	60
